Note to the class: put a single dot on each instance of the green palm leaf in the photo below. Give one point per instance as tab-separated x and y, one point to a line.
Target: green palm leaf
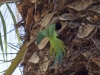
4	30
2	46
14	20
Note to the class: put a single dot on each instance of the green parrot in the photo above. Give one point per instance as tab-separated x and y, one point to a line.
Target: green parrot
57	47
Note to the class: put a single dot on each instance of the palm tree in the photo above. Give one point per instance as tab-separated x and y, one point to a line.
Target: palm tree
77	25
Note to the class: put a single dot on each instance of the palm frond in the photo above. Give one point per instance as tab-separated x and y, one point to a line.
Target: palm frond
4	30
14	20
7	17
1	44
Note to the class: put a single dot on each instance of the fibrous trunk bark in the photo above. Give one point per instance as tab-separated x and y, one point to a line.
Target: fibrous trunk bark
77	24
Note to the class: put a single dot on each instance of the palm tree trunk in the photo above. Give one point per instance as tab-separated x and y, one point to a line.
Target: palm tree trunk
82	56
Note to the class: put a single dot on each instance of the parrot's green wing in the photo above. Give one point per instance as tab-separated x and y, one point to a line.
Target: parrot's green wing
39	38
45	33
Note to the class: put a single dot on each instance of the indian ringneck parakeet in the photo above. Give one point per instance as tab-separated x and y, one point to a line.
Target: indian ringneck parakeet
57	47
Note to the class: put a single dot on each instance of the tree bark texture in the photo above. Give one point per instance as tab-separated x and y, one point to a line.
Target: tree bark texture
77	24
